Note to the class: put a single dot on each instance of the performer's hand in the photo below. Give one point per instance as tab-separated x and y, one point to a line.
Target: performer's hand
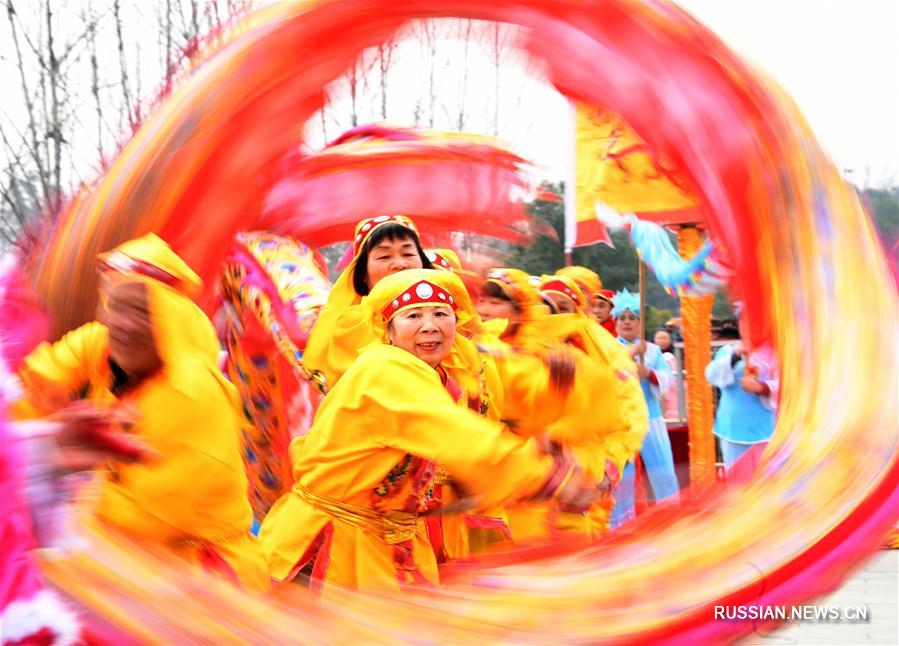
578	494
562	369
738	349
613	474
637	349
642	371
86	435
544	443
751	385
605	486
460	505
549	446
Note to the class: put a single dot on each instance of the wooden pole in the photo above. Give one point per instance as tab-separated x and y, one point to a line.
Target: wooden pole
642	289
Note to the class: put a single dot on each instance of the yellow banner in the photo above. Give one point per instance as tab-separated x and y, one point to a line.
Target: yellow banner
616	168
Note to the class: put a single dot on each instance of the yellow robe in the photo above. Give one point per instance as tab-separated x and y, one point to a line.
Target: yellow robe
387	407
193	498
605	416
625	442
334	345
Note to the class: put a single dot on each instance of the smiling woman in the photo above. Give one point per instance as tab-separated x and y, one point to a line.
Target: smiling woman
390	248
366	470
382	245
427	332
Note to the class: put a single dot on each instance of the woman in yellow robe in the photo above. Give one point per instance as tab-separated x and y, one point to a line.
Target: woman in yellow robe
600	429
154	352
384	245
578	328
365	470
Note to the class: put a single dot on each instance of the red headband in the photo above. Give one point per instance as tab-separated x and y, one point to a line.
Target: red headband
561	287
421	293
117	261
438	261
367	226
605	295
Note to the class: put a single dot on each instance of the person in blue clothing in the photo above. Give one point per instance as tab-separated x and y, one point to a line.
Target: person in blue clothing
747	406
655	379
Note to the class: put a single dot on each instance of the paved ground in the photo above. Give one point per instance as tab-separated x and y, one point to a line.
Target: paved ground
875	587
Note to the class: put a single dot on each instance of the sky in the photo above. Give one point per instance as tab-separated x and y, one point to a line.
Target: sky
838	59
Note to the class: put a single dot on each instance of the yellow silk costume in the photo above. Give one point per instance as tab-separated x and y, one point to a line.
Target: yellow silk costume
192	498
587	279
605	415
366	467
624	441
341	331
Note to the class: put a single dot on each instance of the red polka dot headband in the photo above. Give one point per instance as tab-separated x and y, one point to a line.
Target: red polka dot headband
419	294
366	227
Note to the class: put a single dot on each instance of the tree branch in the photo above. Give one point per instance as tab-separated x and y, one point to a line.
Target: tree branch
55	125
126	92
29	104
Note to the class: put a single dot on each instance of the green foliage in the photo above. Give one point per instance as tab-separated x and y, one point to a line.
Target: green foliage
883	205
616	266
655	319
723	308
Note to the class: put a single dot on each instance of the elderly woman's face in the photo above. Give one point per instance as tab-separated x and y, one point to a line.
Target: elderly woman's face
127	316
627	325
427	332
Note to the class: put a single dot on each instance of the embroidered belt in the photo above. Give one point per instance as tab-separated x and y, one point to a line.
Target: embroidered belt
393	526
441	475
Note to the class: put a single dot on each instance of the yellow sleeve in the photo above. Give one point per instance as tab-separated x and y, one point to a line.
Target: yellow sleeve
475	371
198	486
55	374
623	444
593	412
530	403
411	411
335	343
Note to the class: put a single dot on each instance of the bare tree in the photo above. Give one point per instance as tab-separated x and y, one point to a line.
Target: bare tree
44	55
127	110
358	80
54	125
466	29
166	26
322	113
385	54
425	34
35	149
95	93
432	63
81	74
496	59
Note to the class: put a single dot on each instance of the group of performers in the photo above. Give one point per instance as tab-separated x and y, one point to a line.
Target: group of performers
453	423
